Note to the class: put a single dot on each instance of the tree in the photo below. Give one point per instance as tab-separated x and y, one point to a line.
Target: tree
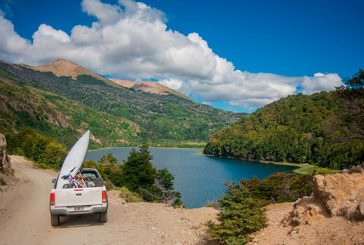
108	158
164	181
240	216
140	176
139	173
357	81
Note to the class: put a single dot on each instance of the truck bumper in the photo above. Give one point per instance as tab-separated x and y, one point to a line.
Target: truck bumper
78	210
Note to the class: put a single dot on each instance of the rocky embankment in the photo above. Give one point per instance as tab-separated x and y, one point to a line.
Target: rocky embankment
333	214
6	173
4	158
334	195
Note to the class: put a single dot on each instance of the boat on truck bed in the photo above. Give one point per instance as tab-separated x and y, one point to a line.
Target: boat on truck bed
78	191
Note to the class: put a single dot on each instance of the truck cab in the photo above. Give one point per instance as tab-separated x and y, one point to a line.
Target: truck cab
71	199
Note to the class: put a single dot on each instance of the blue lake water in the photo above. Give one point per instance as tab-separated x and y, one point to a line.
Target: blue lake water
200	179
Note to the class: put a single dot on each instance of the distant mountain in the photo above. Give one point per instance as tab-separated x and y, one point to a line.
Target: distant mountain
63	99
148	87
66	68
325	128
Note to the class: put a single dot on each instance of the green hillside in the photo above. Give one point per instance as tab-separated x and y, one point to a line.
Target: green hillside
61	118
62	107
325	128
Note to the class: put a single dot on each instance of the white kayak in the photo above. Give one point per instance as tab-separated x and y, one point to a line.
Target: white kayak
74	160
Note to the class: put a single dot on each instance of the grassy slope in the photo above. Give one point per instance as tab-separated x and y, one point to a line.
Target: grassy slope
307	168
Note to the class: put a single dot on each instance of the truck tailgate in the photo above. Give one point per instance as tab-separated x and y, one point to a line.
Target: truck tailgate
78	196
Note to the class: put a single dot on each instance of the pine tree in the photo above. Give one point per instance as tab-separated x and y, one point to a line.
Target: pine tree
138	171
140	176
240	216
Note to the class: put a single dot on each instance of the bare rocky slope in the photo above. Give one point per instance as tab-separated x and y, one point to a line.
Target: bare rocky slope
66	68
148	87
62	67
333	214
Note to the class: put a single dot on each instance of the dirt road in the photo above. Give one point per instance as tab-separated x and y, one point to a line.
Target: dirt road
24	217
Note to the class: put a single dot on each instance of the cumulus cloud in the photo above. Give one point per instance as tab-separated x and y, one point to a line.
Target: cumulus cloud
320	82
131	40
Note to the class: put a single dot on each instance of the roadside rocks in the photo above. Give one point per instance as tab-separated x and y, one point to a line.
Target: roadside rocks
333	214
306	210
333	195
341	194
4	159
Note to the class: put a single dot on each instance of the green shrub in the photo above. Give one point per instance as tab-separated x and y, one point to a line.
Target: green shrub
129	196
280	187
242	210
109	185
45	151
109	169
240	216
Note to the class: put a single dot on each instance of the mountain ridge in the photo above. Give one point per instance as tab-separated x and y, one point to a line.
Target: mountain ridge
67	68
62	67
148	87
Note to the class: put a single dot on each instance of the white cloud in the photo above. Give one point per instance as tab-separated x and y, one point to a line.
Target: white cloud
320	82
12	46
105	13
132	41
46	32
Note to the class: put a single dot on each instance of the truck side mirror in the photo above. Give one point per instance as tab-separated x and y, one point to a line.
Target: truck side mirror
54	181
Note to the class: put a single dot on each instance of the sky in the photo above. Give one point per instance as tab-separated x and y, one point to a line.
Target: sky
236	55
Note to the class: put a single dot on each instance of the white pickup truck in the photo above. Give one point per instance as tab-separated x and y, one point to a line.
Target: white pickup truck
70	200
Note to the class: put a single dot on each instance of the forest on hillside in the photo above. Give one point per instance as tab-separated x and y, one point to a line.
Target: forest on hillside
63	107
325	128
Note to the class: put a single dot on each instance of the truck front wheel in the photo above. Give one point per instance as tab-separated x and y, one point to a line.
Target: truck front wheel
54	219
103	217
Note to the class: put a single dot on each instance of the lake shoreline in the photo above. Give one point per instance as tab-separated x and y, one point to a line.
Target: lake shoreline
200	179
137	147
301	168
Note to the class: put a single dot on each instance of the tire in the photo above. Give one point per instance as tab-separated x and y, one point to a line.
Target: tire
103	217
55	220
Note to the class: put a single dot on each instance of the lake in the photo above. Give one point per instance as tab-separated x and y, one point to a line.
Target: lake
200	179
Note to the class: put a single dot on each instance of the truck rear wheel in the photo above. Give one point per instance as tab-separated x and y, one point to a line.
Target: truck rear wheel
55	220
103	217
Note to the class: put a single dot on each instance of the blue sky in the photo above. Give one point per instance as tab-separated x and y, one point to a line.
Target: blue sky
292	39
